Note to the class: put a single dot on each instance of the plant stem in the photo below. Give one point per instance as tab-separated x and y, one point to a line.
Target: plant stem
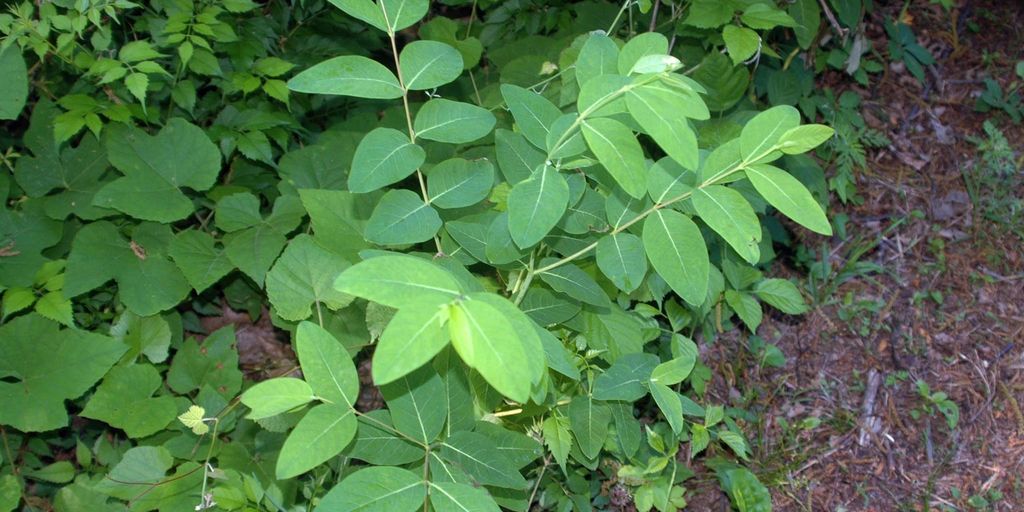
625	5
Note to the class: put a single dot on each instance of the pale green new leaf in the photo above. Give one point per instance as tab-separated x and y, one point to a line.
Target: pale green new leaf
454	122
730	215
536	205
429	64
763	132
348	75
303	277
326	365
320	435
413	337
619	152
155	169
193	419
401	217
622	259
125	400
275	396
789	196
487	342
533	113
383	157
678	253
458	183
398	280
376	489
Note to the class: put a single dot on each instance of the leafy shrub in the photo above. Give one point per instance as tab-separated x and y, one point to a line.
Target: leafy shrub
523	246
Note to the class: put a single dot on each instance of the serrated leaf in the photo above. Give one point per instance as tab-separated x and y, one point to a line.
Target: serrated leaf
766	17
47	367
137	83
709	13
454	122
376	489
746	307
303	277
622	259
429	64
678	253
619	152
401	217
398	280
348	75
214	363
557	437
383	157
789	196
535	206
730	215
193	419
781	294
155	169
124	400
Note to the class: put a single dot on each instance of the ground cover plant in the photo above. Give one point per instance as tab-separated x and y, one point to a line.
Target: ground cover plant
402	255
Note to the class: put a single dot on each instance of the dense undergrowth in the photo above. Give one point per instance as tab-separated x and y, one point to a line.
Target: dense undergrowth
525	215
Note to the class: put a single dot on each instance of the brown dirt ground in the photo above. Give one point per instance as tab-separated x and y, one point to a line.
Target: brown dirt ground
968	346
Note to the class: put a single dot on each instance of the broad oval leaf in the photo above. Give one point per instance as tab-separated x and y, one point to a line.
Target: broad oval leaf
678	253
383	157
648	43
488	343
763	132
589	419
482	460
619	152
536	205
789	196
667	180
458	183
429	64
348	75
574	282
804	138
598	56
398	280
326	365
275	396
516	157
456	497
401	217
412	338
621	258
376	489
320	435
626	380
533	113
670	130
731	216
417	404
454	122
378	443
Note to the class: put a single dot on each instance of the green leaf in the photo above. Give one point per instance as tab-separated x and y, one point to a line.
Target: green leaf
149	336
622	259
766	17
25	234
735	442
401	217
137	83
377	443
533	113
547	308
326	365
730	215
376	489
725	83
516	157
454	122
14	89
415	402
535	206
709	13
746	307
348	75
804	138
194	419
455	497
678	253
125	400
572	281
487	342
678	369
650	107
789	196
275	396
781	294
589	420
619	152
747	493
763	132
807	15
598	56
253	243
429	64
458	183
413	337
401	14
338	219
155	169
383	157
60	472
147	281
303	276
45	366
626	380
477	455
213	364
364	10
320	435
54	306
398	280
648	43
741	42
668	401
557	437
200	261
10	493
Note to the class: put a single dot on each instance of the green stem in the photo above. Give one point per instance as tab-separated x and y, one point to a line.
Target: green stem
625	5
